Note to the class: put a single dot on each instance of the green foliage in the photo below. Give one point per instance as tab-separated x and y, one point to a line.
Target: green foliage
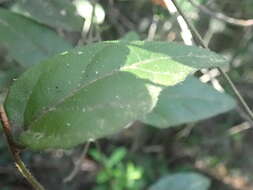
97	90
186	6
182	181
54	13
188	101
89	92
115	173
28	42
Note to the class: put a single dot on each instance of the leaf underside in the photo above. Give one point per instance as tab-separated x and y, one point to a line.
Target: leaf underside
186	102
98	89
27	41
54	13
182	181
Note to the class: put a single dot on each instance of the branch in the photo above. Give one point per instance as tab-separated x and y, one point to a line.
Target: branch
78	164
227	78
222	17
185	31
15	151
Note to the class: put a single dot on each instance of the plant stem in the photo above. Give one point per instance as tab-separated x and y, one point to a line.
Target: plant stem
227	78
78	164
222	17
15	151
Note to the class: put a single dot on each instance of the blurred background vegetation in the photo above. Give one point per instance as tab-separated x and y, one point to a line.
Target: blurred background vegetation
216	153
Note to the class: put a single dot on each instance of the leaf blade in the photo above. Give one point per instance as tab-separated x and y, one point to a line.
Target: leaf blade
182	181
60	79
58	14
189	101
84	111
28	42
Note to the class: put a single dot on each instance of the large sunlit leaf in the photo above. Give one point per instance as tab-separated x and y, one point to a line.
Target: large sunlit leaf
182	181
55	13
98	89
27	41
188	101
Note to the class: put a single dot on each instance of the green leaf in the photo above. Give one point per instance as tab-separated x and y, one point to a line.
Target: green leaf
98	156
182	181
28	42
188	101
188	7
54	13
117	156
97	90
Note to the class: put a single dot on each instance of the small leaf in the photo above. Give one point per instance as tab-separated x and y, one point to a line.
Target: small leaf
54	13
188	101
98	156
117	156
182	181
97	90
28	42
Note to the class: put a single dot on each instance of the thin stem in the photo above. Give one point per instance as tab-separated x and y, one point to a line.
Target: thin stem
87	30
227	78
15	151
185	31
222	17
78	164
193	30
